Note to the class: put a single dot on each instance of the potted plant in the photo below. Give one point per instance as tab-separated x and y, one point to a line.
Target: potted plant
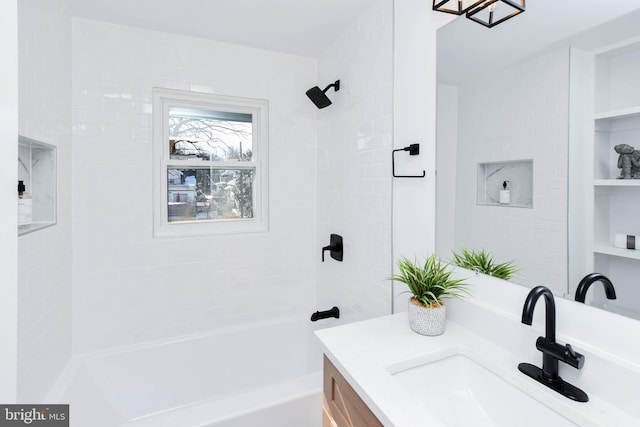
429	282
482	261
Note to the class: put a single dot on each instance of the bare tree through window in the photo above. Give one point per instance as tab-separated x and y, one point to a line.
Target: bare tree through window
211	192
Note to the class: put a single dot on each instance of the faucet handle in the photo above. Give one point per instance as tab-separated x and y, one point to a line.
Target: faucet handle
573	358
565	353
335	247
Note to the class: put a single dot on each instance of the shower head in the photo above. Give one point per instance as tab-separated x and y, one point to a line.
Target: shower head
319	97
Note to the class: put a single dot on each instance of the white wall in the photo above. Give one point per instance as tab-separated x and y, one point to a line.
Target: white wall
122	289
354	167
447	149
414	122
44	334
130	287
384	108
8	187
518	113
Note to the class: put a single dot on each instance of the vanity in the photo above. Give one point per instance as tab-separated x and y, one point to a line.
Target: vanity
469	375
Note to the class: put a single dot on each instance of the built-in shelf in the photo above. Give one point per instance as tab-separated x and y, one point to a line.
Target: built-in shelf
616	68
34	226
617	182
618	114
37	168
616	121
617	252
606	105
518	174
611	129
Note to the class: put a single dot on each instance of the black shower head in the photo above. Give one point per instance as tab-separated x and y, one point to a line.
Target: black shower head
319	97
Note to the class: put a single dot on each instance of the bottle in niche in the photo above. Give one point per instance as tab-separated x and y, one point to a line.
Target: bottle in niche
505	194
25	212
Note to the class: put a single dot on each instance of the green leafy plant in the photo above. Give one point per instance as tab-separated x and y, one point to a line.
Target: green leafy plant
430	281
482	261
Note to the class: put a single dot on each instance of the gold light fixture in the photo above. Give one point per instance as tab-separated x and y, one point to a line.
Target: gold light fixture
493	12
485	12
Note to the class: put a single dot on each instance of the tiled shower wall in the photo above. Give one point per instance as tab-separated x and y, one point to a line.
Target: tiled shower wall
354	166
522	111
8	217
130	287
44	263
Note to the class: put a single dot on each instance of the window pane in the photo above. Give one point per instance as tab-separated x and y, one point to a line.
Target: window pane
210	135
209	193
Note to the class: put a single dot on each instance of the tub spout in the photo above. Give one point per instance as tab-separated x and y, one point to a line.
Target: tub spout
334	312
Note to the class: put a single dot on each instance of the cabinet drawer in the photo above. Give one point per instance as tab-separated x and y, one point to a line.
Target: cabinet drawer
342	405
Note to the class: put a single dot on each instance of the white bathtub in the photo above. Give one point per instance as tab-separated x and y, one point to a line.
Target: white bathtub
263	375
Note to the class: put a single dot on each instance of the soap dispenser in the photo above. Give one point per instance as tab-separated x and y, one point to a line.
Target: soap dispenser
505	194
25	211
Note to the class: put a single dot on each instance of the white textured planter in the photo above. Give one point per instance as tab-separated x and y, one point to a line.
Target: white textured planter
427	320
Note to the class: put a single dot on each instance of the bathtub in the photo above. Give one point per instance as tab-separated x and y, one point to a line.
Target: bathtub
265	374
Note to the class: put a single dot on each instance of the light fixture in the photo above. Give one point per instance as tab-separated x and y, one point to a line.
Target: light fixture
456	7
493	12
486	12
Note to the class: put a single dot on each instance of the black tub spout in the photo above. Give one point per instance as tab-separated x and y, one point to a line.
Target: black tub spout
334	312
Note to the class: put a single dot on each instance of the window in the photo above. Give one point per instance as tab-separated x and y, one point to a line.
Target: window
210	163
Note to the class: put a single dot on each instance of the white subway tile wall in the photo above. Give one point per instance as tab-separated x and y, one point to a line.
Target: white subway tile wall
9	217
44	263
354	166
521	111
128	286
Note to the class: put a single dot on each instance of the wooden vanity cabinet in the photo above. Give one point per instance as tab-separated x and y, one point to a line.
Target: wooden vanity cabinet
342	407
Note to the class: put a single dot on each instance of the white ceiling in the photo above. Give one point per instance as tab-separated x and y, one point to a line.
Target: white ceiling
467	49
300	27
306	27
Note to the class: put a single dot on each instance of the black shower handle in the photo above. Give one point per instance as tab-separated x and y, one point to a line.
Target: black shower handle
335	247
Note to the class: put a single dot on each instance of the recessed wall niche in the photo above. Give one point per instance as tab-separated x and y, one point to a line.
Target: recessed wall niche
37	169
518	176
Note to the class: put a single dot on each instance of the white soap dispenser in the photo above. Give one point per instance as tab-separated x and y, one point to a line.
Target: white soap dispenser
25	211
505	194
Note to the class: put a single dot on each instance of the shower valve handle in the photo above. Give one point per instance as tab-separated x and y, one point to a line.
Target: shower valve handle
335	248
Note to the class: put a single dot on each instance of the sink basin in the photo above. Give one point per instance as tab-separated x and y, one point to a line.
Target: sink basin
465	393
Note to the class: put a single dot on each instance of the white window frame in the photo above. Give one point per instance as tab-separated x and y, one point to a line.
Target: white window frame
163	99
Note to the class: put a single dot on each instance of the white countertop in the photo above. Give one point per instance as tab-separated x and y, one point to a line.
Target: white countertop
367	353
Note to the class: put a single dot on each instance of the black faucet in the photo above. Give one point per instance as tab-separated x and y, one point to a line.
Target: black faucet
552	352
587	280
